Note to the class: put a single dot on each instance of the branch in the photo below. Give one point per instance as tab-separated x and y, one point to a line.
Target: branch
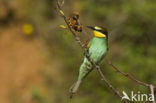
150	86
87	55
128	75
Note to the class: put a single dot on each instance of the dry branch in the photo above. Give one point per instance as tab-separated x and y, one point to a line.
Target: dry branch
150	86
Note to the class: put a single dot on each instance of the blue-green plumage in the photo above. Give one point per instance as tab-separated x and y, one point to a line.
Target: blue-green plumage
97	50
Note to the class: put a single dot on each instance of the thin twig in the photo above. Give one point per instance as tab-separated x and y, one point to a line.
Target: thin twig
87	55
150	86
127	75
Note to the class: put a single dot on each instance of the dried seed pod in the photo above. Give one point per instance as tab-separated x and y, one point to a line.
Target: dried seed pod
74	22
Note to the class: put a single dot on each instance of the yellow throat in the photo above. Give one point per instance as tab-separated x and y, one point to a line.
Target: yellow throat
99	34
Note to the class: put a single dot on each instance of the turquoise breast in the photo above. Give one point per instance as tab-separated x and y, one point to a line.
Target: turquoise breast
98	49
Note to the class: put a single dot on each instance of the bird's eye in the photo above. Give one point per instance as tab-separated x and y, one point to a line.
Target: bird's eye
103	32
100	31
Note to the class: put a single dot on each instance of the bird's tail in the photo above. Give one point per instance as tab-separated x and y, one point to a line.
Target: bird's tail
75	87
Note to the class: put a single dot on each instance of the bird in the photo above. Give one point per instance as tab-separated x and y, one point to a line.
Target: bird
97	49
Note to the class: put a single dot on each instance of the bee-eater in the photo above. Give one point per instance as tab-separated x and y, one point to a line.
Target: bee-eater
97	49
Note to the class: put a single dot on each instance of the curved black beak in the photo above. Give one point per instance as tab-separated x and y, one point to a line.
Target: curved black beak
91	27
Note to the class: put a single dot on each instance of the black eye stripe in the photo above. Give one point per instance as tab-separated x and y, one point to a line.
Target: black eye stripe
102	31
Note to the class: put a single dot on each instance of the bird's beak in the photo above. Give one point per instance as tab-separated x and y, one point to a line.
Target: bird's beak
91	27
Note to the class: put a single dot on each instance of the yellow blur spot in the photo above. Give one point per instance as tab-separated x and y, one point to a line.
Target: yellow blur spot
28	29
63	26
61	12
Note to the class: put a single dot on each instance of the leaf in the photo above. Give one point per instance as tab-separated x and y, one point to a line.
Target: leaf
63	26
61	12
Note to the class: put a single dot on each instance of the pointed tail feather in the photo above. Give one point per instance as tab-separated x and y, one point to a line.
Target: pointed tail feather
75	87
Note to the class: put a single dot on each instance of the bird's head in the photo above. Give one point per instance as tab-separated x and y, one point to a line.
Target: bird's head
99	31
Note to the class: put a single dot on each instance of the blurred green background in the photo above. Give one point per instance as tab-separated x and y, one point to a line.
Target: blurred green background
39	61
